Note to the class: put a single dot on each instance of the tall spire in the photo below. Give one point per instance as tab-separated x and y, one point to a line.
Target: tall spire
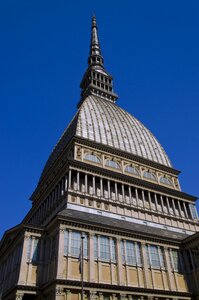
96	80
95	51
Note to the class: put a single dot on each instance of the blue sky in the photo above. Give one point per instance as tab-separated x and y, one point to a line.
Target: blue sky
150	47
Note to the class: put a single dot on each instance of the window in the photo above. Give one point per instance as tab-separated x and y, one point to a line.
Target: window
33	249
193	211
92	157
195	255
155	256
112	164
166	180
130	252
104	248
175	259
149	175
132	170
76	244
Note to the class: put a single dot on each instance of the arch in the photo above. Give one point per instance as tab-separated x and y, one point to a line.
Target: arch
92	157
165	180
149	175
112	164
132	170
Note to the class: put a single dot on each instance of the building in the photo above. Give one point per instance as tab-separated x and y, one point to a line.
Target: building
109	180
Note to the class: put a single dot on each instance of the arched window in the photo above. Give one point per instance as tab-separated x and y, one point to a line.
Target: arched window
149	175
92	157
112	164
132	170
165	180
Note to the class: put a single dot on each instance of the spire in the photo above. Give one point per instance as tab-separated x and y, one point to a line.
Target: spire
95	51
96	80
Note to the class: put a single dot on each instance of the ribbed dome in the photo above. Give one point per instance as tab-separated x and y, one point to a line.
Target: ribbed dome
105	123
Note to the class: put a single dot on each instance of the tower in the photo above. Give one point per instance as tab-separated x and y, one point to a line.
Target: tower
107	179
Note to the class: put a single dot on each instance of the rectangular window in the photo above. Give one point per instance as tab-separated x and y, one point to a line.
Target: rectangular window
131	252
156	256
33	249
175	259
195	255
104	248
76	244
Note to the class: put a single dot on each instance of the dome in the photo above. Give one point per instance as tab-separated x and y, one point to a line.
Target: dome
105	123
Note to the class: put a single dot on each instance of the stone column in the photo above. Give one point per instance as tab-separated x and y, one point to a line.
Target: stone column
86	183
94	189
130	196
101	187
69	179
60	253
136	196
119	262
68	295
185	209
156	201
116	194
77	180
150	205
109	190
169	271
91	258
162	203
24	266
123	195
66	182
145	264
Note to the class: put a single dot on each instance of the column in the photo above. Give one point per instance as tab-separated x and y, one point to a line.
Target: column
60	248
109	190
69	181
69	254
119	262
185	209
101	187
136	195
86	183
130	195
150	205
77	180
156	201
174	207
169	271
91	258
66	182
179	207
123	194
24	266
143	199
94	189
162	203
116	193
145	264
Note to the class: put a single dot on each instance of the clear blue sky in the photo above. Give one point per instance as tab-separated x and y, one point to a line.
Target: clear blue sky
150	47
